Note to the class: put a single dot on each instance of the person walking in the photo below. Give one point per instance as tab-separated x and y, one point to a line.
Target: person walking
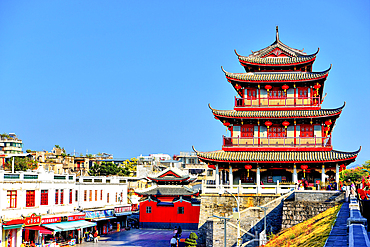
96	237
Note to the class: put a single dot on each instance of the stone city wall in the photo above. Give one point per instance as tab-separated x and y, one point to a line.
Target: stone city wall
211	230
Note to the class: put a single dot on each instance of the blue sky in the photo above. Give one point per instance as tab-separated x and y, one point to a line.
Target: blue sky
135	77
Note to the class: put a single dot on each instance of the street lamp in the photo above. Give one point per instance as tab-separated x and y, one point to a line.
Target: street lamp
221	192
225	219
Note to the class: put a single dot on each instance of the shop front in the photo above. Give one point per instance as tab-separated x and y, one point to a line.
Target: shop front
32	231
121	214
104	219
67	230
12	232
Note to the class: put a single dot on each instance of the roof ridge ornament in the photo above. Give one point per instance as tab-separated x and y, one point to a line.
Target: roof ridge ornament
277	34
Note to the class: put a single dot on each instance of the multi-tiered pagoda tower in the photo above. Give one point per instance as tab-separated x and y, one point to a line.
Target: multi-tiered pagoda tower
278	131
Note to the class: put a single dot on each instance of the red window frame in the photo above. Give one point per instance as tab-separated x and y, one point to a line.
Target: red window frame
85	195
116	196
101	195
70	196
30	198
76	195
12	197
276	93
277	131
96	195
56	197
247	131
250	93
302	92
61	196
90	195
44	197
306	130
107	197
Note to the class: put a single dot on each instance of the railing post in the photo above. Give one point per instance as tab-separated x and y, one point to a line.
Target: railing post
277	187
240	186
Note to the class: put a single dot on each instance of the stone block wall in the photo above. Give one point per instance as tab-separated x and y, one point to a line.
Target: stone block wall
318	196
214	204
295	212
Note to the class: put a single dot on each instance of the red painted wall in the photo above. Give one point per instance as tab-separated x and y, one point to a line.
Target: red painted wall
169	214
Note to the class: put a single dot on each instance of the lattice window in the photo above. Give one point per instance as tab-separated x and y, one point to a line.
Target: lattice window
90	195
148	210
303	92
307	131
30	198
247	131
277	93
107	197
96	195
44	197
76	195
277	132
85	195
56	197
101	195
62	196
251	93
180	210
12	198
70	196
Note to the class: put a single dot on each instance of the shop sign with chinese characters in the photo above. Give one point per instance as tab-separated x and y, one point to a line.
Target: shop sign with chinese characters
51	220
32	220
122	209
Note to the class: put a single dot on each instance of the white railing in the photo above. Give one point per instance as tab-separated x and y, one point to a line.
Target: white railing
248	189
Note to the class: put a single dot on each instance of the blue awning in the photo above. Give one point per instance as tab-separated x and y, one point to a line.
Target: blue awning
70	225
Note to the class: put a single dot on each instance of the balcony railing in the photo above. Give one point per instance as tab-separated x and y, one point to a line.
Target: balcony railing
278	102
277	141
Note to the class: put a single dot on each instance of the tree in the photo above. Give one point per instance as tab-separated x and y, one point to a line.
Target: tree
57	146
191	241
128	167
21	164
355	174
104	169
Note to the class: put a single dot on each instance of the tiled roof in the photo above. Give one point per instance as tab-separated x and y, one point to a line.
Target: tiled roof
278	44
167	190
277	113
277	156
169	178
276	60
276	76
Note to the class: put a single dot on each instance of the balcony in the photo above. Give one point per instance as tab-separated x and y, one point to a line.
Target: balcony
278	143
260	103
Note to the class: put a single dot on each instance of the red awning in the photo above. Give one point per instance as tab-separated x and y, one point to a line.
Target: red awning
42	230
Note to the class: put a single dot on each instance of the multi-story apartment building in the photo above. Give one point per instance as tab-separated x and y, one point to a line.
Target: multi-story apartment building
191	163
42	201
10	144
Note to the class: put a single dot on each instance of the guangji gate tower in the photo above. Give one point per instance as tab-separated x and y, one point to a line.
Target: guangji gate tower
278	131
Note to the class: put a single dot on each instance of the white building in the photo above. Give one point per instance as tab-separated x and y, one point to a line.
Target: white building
45	197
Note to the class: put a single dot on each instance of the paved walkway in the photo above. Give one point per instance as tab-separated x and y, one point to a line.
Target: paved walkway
338	236
137	237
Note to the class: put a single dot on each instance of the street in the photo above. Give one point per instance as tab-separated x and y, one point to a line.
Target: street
138	237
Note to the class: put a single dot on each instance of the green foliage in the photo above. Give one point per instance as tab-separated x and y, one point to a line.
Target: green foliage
57	146
191	241
128	168
5	135
355	174
21	164
28	151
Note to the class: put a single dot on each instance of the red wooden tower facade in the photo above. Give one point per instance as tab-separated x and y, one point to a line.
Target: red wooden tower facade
278	131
